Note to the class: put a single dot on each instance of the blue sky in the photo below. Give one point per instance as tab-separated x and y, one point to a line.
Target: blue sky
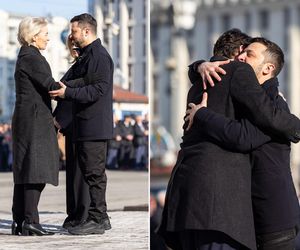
65	8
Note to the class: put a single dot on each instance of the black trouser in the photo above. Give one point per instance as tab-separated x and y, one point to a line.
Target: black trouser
283	240
25	203
207	240
92	159
77	190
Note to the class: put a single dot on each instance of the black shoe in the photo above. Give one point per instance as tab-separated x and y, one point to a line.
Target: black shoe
87	227
34	229
69	224
16	229
106	223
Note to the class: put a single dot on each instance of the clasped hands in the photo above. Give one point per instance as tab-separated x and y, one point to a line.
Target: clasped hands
59	92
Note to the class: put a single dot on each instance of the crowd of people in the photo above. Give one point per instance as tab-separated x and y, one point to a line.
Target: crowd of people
129	147
127	150
5	147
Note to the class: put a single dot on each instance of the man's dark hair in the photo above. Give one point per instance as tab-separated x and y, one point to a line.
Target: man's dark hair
86	20
228	44
273	54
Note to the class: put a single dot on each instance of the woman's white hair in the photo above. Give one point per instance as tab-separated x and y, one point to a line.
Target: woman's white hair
30	27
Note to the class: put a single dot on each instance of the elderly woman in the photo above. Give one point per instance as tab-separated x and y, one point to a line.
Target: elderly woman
35	147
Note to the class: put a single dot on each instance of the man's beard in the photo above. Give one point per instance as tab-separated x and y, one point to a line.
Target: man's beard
258	69
78	43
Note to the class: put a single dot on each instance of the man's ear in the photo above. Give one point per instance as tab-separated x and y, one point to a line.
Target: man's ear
86	32
268	68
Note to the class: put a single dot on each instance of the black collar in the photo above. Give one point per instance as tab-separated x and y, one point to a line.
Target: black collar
29	50
218	58
271	83
85	50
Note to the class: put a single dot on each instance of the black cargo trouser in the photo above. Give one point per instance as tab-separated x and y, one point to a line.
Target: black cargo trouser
92	160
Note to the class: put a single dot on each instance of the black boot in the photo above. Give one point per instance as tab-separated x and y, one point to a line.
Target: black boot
34	229
16	229
106	223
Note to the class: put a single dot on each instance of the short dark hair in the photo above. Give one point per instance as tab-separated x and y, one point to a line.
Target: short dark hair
84	20
273	53
228	44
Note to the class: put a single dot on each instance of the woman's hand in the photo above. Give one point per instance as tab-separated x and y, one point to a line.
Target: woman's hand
190	113
207	70
59	92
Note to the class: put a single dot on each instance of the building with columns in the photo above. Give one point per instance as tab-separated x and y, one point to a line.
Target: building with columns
278	21
56	54
122	26
170	24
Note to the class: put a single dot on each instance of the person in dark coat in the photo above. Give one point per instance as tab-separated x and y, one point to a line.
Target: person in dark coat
275	203
208	202
35	146
127	149
114	146
140	142
92	118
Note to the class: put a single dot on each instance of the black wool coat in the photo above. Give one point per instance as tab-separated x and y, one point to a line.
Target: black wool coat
35	146
210	187
275	203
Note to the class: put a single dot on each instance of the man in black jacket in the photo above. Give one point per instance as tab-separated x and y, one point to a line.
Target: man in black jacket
92	118
208	201
274	199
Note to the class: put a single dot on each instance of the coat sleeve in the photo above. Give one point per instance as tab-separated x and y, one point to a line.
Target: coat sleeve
39	72
247	91
241	136
91	78
194	76
100	69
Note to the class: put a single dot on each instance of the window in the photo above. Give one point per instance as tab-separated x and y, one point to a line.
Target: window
117	8
287	23
247	21
209	32
298	15
130	73
130	33
145	40
145	77
129	70
264	19
130	50
144	9
12	35
130	13
225	22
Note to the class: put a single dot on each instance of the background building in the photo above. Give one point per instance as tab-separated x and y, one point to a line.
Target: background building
170	24
276	20
56	54
122	25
